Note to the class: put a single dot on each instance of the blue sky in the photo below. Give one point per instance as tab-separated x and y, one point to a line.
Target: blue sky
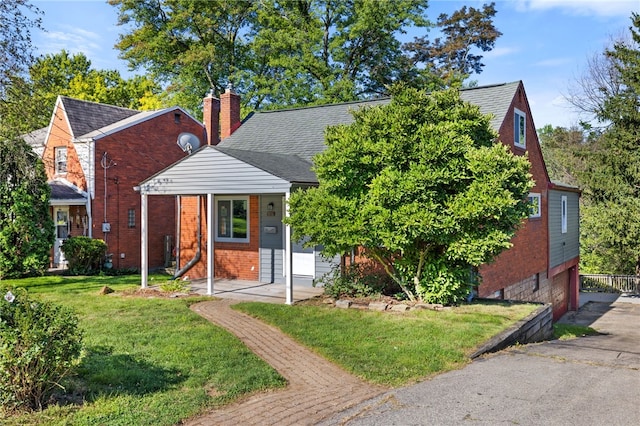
545	43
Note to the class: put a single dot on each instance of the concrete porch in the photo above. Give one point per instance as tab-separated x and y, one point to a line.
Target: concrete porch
254	291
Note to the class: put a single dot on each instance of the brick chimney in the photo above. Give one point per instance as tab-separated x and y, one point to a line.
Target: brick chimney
229	112
211	118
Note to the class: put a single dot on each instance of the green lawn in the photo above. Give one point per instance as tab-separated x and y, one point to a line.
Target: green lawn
152	361
392	348
147	361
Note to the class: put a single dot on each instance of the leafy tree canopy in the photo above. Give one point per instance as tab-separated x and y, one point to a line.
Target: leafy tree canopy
422	185
26	227
287	53
611	176
72	75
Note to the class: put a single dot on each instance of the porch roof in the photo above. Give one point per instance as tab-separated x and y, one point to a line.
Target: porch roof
215	170
65	193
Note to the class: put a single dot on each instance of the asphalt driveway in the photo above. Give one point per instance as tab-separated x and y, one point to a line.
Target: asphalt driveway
591	380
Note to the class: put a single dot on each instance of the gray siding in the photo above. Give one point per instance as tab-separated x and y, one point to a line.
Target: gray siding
271	245
209	171
563	246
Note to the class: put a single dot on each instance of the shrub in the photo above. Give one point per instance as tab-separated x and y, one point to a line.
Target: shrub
39	344
85	255
358	280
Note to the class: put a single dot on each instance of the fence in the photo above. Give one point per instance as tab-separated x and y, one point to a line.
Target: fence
610	283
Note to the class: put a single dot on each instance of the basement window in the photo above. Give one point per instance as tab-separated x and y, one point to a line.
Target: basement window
232	219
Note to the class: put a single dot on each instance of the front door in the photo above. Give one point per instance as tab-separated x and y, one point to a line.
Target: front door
61	218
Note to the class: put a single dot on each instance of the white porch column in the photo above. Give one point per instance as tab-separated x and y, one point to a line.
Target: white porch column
210	236
144	240
288	247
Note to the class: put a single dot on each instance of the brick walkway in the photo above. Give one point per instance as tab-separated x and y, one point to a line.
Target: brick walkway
316	388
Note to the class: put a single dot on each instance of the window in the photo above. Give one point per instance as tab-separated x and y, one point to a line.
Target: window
232	219
60	153
131	218
519	129
536	283
564	214
534	205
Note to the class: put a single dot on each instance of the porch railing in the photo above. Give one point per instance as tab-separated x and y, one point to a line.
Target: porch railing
610	283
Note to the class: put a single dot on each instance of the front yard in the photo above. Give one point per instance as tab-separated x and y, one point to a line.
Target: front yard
152	361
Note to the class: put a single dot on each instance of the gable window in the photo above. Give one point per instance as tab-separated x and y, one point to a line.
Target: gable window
520	129
232	219
534	205
564	213
60	153
131	218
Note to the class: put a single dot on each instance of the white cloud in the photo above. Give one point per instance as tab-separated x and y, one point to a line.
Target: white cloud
74	40
583	7
500	52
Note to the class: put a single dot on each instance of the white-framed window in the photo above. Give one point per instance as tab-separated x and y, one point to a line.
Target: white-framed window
60	153
232	219
535	209
563	206
520	129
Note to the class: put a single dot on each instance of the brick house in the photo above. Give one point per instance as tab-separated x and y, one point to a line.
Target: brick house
233	196
94	155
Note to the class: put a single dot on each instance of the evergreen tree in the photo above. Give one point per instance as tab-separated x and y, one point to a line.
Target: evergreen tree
611	210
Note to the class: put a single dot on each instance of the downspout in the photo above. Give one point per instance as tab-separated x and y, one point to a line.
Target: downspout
198	254
177	243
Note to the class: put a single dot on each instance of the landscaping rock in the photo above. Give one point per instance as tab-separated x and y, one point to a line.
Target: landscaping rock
432	306
378	306
344	304
400	308
105	290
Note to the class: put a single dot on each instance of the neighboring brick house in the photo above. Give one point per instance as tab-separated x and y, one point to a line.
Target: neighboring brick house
243	181
94	156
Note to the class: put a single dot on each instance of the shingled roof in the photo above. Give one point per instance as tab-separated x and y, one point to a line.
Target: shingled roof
494	99
301	131
85	117
297	131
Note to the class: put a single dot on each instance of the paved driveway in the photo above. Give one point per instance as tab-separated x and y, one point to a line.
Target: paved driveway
587	381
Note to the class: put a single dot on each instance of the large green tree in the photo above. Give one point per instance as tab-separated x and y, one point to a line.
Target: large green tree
293	52
26	227
423	186
72	75
611	177
17	19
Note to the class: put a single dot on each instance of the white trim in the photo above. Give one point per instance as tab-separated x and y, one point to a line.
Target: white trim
519	143
537	196
211	231
288	259
144	240
231	199
564	213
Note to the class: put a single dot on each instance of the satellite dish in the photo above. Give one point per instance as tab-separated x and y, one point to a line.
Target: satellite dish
188	142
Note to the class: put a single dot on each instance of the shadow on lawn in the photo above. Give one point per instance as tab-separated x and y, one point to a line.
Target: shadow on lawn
102	372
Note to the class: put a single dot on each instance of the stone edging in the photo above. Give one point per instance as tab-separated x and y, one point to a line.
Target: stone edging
536	327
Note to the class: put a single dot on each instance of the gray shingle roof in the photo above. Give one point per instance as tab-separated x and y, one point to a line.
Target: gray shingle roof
65	191
85	117
494	99
297	131
37	138
285	166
